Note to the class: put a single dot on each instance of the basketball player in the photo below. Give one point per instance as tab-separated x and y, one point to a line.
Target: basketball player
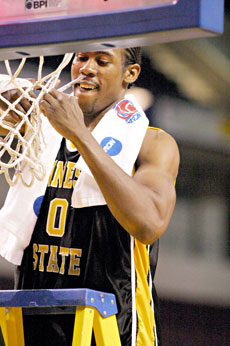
113	247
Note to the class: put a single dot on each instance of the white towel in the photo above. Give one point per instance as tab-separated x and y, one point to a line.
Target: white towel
6	83
120	132
17	216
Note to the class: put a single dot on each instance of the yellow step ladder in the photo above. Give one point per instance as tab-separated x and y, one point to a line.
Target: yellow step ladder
94	311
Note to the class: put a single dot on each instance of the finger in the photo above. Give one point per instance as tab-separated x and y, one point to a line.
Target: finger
72	98
32	80
55	93
12	117
36	85
58	83
16	98
32	94
18	107
11	95
59	96
48	98
45	107
26	104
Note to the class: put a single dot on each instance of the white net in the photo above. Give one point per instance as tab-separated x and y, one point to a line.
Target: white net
22	140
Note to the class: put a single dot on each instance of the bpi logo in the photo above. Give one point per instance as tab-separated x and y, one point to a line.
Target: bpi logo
34	4
127	111
111	146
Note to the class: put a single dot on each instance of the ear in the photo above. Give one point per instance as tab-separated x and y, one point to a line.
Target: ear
131	73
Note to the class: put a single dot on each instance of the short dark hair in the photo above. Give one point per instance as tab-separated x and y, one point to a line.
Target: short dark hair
132	56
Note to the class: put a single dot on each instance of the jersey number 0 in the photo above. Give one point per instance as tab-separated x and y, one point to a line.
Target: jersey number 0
56	220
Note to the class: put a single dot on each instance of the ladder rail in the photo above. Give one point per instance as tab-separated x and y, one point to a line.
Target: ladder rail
95	310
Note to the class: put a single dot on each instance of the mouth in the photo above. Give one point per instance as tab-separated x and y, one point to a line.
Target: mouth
86	86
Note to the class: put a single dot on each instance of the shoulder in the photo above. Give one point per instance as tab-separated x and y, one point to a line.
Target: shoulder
159	149
158	138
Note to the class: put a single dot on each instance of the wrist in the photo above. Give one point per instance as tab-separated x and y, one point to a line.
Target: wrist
80	138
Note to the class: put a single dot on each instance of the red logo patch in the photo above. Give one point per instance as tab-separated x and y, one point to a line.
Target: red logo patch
125	109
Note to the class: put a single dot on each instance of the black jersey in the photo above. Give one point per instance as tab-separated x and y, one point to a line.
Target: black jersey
88	248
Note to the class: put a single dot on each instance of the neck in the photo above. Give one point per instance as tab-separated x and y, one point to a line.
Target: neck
91	121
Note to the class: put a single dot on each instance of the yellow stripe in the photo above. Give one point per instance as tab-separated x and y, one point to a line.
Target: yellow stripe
146	321
155	128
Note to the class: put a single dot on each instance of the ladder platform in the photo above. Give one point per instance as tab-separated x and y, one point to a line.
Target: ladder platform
105	303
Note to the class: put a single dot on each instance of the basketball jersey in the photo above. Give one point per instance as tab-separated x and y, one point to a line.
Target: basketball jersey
88	248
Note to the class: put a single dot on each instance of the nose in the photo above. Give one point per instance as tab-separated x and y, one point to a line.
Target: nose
89	68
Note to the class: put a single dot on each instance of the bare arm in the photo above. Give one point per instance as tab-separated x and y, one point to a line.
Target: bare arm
142	204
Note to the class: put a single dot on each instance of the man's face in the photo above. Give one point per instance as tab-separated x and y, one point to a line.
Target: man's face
102	83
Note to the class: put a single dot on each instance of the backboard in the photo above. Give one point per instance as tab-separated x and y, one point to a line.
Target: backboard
51	27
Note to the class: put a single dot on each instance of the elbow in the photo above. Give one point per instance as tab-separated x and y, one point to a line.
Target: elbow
156	222
150	223
150	231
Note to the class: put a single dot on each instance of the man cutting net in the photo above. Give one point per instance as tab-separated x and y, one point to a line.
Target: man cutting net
99	222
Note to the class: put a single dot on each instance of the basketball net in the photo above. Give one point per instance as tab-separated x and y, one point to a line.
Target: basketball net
22	145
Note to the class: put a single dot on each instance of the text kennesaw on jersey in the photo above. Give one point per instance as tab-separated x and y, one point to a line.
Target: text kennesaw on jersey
53	258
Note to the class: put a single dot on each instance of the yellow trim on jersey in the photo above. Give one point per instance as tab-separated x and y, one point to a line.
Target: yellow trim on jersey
155	128
145	315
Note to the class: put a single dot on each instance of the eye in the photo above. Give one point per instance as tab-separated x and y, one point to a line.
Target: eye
102	62
81	58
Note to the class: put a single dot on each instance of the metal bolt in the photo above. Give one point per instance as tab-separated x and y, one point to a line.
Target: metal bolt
105	313
92	300
112	301
102	300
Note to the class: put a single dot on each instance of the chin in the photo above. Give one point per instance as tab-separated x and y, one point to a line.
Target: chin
86	109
